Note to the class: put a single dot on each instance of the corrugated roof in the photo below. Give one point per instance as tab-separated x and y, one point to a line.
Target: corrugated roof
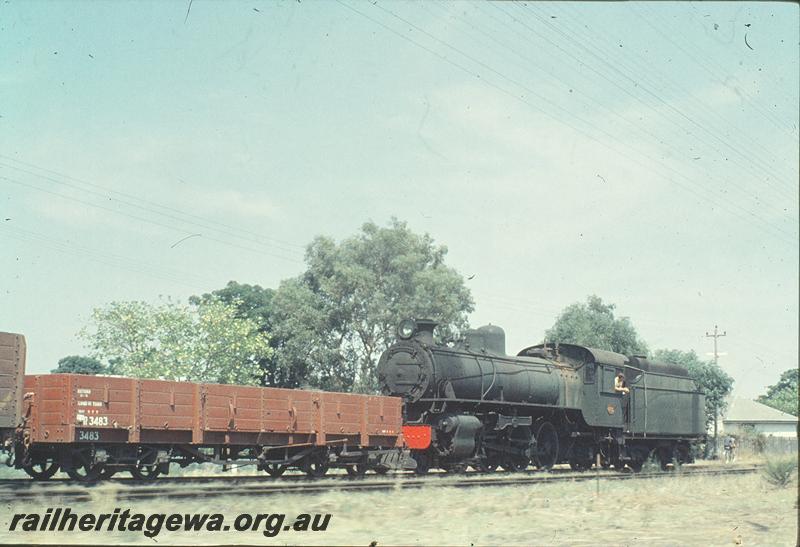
745	410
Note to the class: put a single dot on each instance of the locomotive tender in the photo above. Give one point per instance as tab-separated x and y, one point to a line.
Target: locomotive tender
475	405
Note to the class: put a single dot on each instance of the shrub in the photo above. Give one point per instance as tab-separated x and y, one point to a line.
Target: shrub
778	472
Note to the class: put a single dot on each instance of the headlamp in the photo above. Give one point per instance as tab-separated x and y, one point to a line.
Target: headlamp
406	329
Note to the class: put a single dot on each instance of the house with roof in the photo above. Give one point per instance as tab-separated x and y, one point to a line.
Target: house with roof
745	415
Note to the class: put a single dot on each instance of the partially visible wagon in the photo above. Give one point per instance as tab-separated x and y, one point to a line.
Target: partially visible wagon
93	426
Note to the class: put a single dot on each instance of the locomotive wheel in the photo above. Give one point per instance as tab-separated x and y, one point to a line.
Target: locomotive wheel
518	437
423	463
275	470
677	459
580	465
381	470
455	468
638	457
513	465
546	453
356	470
487	464
41	471
658	458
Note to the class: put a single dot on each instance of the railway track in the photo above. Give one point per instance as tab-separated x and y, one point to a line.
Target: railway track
179	488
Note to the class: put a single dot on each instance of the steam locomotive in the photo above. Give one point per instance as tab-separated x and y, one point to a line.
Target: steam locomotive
470	404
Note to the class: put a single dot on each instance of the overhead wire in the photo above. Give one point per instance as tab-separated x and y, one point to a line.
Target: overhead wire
634	62
780	123
775	231
636	127
156	271
183	231
153	207
640	86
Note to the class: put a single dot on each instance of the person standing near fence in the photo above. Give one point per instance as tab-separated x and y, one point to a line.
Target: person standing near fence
730	449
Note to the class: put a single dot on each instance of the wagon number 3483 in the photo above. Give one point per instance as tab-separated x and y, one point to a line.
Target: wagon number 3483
88	435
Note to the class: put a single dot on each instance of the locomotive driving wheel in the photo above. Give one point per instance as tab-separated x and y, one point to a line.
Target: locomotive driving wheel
546	452
488	463
519	444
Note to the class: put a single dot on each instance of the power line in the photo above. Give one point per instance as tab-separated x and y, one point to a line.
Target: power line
157	271
657	97
634	126
641	67
151	206
147	220
790	238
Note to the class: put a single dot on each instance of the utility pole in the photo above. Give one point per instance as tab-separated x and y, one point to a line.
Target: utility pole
715	336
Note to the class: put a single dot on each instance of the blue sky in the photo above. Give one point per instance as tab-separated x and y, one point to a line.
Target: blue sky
644	152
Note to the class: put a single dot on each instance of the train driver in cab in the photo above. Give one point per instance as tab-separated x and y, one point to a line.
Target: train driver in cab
620	386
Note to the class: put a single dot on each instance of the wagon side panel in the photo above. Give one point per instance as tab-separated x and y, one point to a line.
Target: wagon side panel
12	372
166	411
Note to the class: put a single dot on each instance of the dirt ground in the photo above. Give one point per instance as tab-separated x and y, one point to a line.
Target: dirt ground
673	510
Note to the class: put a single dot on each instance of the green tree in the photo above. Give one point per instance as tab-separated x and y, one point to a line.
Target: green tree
255	303
783	395
78	364
709	377
205	342
338	316
593	324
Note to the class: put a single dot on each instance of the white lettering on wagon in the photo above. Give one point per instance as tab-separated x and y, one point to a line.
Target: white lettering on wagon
83	392
88	435
83	419
90	403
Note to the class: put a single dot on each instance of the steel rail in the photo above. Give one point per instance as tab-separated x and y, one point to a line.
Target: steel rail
72	492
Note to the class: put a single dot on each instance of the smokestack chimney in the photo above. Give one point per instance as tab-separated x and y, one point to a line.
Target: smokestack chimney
425	330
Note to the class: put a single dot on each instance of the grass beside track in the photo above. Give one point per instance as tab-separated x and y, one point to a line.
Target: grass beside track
669	510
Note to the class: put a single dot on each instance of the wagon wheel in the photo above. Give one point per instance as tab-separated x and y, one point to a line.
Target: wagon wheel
275	470
43	470
83	469
145	471
381	470
316	465
356	470
546	452
107	473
